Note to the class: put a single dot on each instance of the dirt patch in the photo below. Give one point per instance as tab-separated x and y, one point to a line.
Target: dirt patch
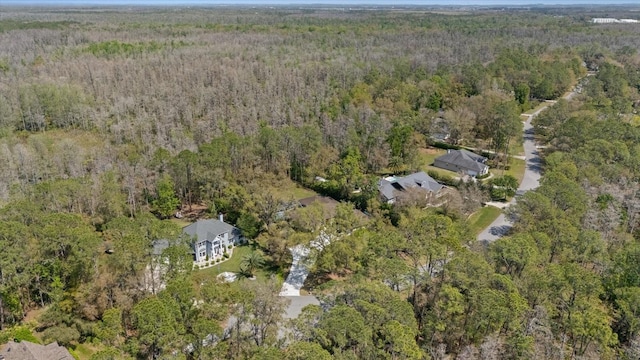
32	315
193	212
336	277
314	280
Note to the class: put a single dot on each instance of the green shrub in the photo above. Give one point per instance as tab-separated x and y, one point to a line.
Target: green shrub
443	179
18	333
442	145
74	354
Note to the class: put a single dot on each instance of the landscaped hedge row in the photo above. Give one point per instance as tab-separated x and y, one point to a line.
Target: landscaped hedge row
443	145
443	179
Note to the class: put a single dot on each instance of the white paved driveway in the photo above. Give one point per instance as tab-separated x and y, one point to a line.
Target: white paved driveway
298	273
301	263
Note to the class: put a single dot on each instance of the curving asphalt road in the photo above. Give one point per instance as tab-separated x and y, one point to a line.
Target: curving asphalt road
531	180
532	173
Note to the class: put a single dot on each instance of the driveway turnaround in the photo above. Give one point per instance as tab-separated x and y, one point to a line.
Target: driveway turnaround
297	303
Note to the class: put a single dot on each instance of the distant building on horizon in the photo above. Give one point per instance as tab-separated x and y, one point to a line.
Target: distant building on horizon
613	21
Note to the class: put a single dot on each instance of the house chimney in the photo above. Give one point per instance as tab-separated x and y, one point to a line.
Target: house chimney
221	217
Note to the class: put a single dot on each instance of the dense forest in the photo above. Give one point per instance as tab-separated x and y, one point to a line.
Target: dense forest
113	120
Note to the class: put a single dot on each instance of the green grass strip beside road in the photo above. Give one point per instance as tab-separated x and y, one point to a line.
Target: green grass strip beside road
482	218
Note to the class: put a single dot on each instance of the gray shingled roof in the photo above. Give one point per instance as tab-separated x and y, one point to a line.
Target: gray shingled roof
25	350
464	158
202	229
209	229
421	179
159	246
386	189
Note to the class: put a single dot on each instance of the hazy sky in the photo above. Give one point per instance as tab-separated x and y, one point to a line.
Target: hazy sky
314	2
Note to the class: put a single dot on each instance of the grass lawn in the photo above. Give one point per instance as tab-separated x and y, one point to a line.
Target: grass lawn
517	148
180	222
482	218
84	351
233	264
427	156
288	189
516	168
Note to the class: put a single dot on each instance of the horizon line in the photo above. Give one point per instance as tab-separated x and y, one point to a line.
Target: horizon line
343	3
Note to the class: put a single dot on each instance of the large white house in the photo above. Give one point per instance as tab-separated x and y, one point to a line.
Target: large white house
210	239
